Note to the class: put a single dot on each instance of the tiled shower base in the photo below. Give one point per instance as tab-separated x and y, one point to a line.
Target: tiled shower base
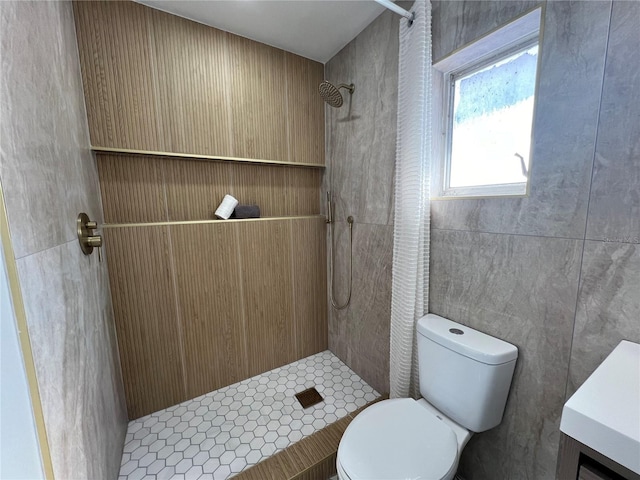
226	431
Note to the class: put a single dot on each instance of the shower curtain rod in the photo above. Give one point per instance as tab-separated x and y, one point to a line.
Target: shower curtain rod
395	8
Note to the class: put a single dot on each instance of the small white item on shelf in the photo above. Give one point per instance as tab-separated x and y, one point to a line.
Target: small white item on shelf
226	207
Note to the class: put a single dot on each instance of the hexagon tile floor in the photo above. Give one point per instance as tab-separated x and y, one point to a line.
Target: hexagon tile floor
223	432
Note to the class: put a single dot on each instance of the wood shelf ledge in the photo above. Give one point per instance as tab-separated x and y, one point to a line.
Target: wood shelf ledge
209	158
198	222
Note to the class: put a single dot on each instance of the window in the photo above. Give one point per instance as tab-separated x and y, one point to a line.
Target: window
487	114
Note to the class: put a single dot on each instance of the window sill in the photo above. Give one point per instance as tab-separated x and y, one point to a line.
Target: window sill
485	191
511	190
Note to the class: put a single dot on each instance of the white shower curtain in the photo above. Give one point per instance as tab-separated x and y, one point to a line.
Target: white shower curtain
410	290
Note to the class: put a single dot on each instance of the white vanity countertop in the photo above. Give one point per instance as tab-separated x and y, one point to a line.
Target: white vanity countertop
604	413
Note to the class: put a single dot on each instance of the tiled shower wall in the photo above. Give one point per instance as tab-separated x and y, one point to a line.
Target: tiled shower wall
48	177
225	293
360	149
556	273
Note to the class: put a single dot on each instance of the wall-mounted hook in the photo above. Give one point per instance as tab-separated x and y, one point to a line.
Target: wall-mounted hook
88	240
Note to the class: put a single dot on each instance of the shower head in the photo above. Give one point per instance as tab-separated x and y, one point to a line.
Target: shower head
331	94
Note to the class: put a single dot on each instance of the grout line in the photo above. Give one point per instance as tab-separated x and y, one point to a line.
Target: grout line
586	223
623	242
174	281
286	105
165	197
229	82
296	346
160	133
42	250
245	327
503	233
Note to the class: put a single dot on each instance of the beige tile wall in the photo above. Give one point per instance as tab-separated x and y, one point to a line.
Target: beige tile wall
48	177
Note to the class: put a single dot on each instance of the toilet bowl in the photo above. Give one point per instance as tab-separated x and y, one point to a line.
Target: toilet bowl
465	376
401	438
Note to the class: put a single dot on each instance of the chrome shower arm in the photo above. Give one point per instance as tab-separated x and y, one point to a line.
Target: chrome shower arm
351	87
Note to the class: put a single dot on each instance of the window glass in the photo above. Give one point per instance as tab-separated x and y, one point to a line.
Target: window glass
491	119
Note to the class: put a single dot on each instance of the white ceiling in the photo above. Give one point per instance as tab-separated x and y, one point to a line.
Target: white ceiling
316	29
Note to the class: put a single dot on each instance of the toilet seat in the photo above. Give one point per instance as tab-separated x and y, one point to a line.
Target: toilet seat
397	439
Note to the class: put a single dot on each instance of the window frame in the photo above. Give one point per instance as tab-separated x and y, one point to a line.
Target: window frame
519	35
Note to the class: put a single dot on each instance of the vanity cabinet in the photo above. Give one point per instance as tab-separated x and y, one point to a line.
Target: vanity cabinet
590	472
580	462
600	424
587	472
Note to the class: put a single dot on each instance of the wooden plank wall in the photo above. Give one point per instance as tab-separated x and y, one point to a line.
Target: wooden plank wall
201	306
157	82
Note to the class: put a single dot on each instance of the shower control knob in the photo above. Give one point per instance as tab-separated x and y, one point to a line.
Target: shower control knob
94	241
86	237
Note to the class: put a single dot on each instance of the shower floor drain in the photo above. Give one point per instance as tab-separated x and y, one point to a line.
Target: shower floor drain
309	397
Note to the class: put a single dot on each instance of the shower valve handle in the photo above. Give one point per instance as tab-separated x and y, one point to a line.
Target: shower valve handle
87	237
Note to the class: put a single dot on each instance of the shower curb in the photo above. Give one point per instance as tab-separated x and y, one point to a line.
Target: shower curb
311	458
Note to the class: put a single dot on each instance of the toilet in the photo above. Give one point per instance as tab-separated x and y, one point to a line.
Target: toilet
465	376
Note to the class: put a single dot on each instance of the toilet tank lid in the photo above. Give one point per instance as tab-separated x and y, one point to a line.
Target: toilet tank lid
466	341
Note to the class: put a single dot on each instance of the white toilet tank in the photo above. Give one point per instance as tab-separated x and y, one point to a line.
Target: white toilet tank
464	373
